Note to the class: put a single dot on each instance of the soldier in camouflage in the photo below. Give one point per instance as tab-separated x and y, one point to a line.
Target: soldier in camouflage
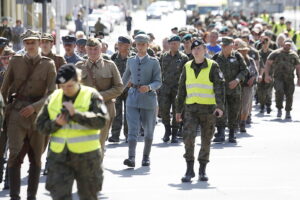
172	63
201	95
75	156
284	61
234	69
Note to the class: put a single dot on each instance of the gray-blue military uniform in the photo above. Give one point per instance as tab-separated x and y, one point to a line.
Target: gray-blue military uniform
141	107
69	39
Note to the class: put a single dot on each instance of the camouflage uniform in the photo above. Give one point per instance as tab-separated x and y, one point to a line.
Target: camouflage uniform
171	69
195	114
264	90
233	68
120	101
65	167
284	64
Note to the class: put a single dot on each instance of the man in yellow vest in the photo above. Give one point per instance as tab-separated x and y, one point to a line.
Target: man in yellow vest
280	27
201	96
73	116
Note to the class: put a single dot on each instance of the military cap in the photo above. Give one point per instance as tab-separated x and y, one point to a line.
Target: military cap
124	39
140	32
65	73
187	37
268	33
81	41
31	35
224	29
3	42
7	51
196	43
47	36
174	38
69	39
92	42
288	40
141	38
226	41
174	29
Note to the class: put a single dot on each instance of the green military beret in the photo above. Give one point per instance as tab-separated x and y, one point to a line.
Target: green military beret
174	38
187	37
226	41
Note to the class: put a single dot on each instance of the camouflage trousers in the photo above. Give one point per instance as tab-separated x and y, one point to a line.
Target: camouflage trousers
264	92
166	102
191	121
231	114
65	167
284	88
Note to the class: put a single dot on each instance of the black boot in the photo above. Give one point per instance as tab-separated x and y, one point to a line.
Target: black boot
145	161
243	126
174	135
262	109
279	113
15	182
189	174
33	182
269	109
45	172
202	172
6	180
220	135
288	115
113	139
179	133
130	162
166	137
2	161
231	138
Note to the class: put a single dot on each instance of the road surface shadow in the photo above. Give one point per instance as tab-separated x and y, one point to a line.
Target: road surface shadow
224	145
192	185
129	172
4	193
165	145
283	120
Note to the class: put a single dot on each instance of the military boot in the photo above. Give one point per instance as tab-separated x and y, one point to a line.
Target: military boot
33	182
179	133
220	135
166	137
243	126
279	113
130	162
6	180
269	109
189	174
15	182
146	161
232	138
288	115
262	109
174	135
202	172
2	161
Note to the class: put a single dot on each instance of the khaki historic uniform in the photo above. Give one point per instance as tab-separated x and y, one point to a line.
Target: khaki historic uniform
33	80
105	77
58	60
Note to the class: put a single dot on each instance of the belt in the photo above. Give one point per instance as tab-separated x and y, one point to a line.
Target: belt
135	86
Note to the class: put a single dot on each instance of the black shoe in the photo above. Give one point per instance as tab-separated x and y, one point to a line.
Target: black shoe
174	139
262	109
113	139
288	115
279	113
174	135
45	172
219	139
202	172
220	135
146	161
166	137
129	162
232	138
269	109
189	172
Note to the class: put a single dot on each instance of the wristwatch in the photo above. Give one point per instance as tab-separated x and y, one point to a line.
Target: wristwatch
237	79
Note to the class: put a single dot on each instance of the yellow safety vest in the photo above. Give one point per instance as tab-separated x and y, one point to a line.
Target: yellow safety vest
291	32
265	17
297	41
280	28
78	138
199	89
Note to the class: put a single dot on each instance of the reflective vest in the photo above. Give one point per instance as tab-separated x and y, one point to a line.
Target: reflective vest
265	17
199	89
78	138
279	28
297	41
291	32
